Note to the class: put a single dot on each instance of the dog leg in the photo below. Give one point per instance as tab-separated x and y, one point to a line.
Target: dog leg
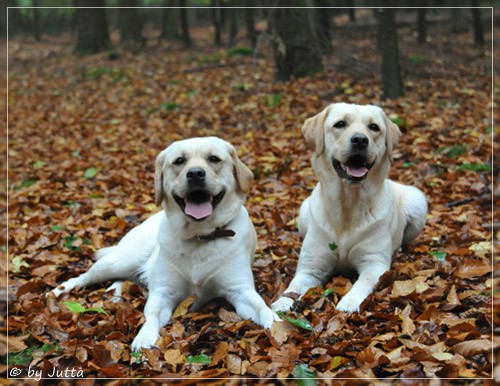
110	266
368	278
414	207
316	264
158	311
249	305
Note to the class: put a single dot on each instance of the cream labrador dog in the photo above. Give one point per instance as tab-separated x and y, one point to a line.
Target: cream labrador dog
355	218
203	242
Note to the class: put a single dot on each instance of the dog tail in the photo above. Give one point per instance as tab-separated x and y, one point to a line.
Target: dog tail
103	252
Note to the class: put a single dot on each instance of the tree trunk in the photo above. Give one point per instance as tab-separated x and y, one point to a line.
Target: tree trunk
217	21
169	21
352	13
323	25
388	40
477	23
296	49
92	25
250	23
36	21
421	23
186	37
130	24
233	24
17	23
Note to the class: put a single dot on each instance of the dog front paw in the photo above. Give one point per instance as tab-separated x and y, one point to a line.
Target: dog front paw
268	317
146	338
283	304
56	292
348	304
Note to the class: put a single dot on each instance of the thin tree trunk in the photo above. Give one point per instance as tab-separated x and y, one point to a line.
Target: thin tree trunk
186	37
216	20
93	35
388	40
421	23
477	24
130	24
296	49
233	24
169	22
323	25
36	21
250	23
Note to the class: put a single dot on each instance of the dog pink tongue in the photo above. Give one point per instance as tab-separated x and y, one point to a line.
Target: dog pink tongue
357	172
198	211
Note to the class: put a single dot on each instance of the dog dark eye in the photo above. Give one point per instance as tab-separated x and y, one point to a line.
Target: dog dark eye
340	125
373	127
179	161
214	159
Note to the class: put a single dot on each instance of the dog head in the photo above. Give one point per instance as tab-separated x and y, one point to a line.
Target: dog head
354	138
202	178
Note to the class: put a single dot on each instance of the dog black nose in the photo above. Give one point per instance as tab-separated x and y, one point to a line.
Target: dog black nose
359	141
196	176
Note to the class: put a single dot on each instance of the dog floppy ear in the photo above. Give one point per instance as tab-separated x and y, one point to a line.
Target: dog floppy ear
159	191
392	136
313	130
243	174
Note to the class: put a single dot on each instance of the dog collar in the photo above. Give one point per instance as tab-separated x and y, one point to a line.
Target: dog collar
217	233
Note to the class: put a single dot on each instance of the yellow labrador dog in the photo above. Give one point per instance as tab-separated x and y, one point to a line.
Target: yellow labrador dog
355	218
202	243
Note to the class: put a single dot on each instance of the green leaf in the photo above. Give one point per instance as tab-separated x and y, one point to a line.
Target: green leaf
56	228
273	100
304	375
137	356
398	121
90	172
456	151
95	309
475	167
169	106
68	242
241	51
439	255
327	292
201	359
39	164
333	246
72	204
74	307
301	323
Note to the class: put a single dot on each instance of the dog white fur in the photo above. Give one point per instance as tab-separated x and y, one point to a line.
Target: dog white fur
354	206
201	184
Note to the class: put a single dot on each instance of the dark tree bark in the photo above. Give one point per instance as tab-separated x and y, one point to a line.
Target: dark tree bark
477	24
323	25
36	21
92	26
17	23
352	11
233	24
186	37
296	48
388	41
130	24
250	23
169	21
421	23
217	21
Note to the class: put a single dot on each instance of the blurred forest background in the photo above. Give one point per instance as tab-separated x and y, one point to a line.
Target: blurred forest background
95	93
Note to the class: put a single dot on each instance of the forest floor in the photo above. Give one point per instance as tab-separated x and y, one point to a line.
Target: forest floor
83	136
